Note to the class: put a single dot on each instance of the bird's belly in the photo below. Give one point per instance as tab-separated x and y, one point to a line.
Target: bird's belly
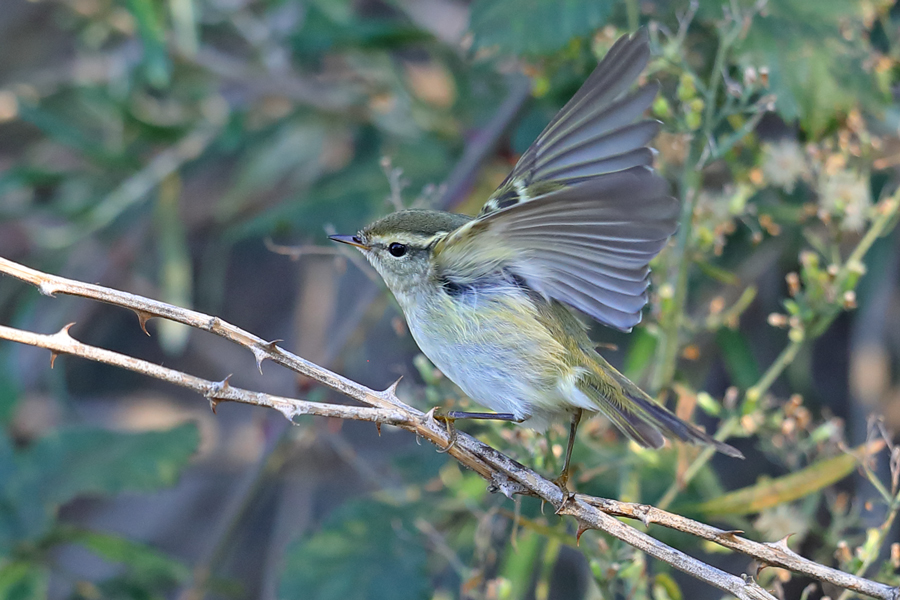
497	351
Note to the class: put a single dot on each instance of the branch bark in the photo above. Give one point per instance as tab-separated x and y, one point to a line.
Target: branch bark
383	407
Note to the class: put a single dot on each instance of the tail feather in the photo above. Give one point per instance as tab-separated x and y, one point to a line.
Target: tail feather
642	419
669	423
633	425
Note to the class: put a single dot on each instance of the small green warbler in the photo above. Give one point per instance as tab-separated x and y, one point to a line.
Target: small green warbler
574	225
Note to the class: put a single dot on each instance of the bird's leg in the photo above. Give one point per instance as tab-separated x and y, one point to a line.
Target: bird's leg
563	478
451	416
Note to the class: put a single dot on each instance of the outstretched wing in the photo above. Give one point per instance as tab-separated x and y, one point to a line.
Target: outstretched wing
593	134
582	213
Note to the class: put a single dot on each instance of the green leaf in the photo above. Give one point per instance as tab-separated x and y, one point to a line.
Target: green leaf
146	564
60	128
772	492
814	72
640	353
21	580
326	31
738	356
664	583
365	551
535	26
175	263
74	462
150	25
21	176
80	461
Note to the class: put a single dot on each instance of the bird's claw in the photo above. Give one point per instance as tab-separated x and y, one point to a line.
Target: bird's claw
437	414
562	483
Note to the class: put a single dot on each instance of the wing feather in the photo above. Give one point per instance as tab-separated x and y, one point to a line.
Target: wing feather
592	134
615	74
612	316
561	165
582	213
592	257
624	277
625	110
575	172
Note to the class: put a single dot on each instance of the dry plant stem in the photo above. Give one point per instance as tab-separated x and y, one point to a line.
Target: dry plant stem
776	554
146	309
215	391
505	474
591	517
667	351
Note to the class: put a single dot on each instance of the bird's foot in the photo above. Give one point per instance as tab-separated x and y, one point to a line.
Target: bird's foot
439	414
562	482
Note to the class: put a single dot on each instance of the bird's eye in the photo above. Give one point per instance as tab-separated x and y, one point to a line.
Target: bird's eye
397	249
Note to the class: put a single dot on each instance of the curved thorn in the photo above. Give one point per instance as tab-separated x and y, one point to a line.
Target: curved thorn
732	532
143	317
582	527
47	289
782	544
260	355
392	389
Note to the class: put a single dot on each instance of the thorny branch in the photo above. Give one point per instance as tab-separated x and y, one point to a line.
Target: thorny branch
383	407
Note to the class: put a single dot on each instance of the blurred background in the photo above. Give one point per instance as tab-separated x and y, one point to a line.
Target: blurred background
200	151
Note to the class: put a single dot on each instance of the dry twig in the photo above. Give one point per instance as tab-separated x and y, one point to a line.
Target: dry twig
504	474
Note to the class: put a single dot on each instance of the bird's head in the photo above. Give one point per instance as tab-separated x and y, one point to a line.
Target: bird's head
400	246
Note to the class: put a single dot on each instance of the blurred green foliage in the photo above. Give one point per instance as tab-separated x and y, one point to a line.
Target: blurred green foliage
162	135
66	464
536	27
364	550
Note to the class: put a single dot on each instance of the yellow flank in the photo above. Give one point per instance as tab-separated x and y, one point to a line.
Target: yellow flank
522	338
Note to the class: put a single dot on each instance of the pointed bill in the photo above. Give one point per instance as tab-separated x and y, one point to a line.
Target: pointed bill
348	239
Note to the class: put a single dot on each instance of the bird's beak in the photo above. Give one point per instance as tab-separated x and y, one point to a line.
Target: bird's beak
353	240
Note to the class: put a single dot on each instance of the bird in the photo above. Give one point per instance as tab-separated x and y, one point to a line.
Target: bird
494	301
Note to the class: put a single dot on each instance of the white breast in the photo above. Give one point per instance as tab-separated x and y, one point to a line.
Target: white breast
493	347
